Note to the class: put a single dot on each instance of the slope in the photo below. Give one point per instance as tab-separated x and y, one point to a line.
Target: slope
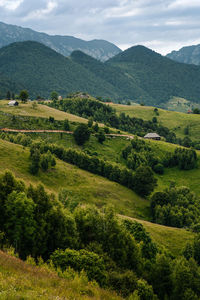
160	77
85	187
176	121
20	280
42	70
125	85
99	49
187	55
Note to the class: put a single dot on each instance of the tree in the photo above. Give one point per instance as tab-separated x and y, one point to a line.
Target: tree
96	127
101	137
35	162
54	95
90	122
23	96
20	225
144	181
66	125
81	134
8	95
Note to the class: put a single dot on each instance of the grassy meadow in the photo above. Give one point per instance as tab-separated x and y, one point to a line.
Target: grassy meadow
19	280
176	121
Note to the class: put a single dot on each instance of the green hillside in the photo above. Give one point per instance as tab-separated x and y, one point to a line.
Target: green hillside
20	280
160	77
137	74
85	187
41	70
175	121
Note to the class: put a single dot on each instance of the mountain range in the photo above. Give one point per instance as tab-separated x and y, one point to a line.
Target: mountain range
188	55
137	74
100	49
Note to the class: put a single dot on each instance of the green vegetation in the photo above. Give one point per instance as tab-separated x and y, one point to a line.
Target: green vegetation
159	77
100	243
39	111
175	121
137	74
24	280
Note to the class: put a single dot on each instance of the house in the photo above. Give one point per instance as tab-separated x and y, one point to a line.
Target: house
152	136
13	103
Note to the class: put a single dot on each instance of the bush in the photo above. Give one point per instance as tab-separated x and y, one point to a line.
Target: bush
159	169
81	134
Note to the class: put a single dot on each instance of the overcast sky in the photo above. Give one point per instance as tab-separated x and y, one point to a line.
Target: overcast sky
162	25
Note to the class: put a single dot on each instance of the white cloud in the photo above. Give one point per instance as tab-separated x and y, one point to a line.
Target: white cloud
10	4
40	13
184	4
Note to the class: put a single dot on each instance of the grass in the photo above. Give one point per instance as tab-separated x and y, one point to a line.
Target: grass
88	188
176	121
173	239
40	111
19	280
112	148
81	185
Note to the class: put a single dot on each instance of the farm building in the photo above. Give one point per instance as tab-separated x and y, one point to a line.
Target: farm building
13	103
152	136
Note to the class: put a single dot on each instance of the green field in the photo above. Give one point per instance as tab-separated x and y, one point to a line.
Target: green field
176	121
40	111
88	188
112	148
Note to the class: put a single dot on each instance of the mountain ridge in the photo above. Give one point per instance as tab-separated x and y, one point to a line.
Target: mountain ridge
187	54
100	49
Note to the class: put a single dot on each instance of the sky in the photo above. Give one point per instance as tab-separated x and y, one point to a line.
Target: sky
162	25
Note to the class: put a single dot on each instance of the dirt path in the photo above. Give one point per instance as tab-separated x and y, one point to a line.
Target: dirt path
32	131
59	131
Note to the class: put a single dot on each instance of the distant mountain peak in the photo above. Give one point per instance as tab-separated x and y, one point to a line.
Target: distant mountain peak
188	55
65	45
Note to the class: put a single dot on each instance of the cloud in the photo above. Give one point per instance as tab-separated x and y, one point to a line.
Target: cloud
40	13
10	4
162	25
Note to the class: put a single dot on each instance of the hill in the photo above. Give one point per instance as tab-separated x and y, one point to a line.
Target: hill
187	55
42	70
99	49
160	77
125	86
175	121
137	74
85	187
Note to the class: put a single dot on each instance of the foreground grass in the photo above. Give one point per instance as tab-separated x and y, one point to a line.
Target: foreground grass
19	280
176	121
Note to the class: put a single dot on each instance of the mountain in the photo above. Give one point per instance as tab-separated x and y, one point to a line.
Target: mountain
40	70
160	77
99	49
188	55
137	74
126	86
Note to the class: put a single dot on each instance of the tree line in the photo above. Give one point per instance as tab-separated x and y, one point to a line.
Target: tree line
142	181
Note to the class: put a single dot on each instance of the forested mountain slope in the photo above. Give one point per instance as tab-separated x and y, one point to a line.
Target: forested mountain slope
159	76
